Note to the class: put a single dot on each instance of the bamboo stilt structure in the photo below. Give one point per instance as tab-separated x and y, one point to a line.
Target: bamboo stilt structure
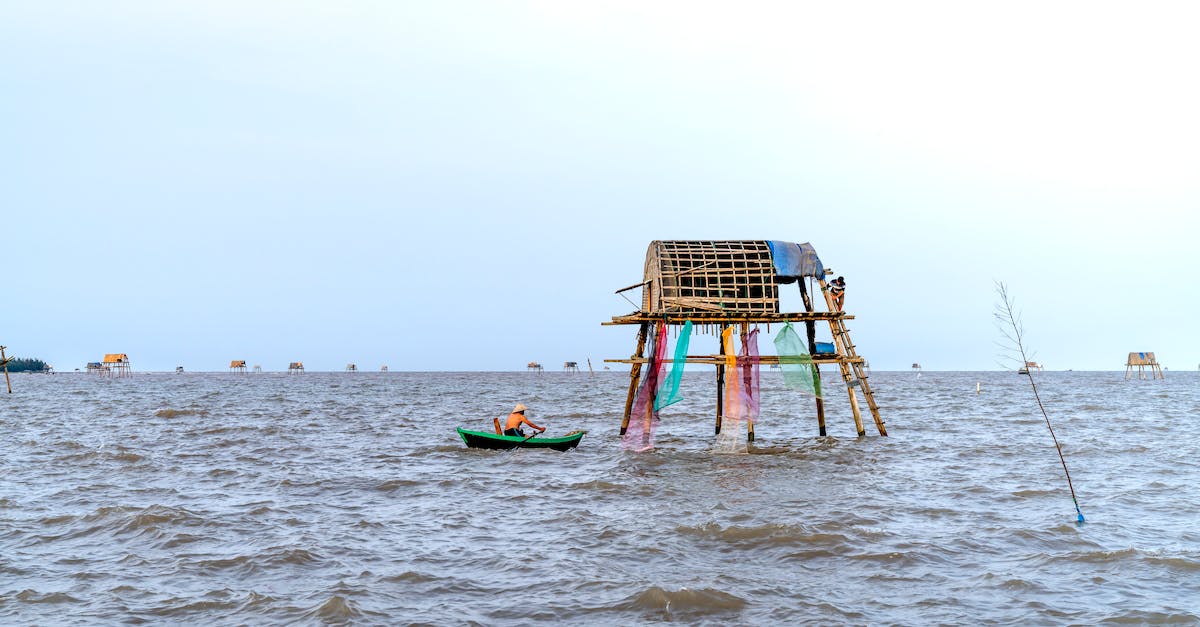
716	284
635	375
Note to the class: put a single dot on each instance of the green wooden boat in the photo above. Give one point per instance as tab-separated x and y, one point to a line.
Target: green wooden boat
483	439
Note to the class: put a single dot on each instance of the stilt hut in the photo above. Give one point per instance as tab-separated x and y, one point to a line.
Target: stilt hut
238	366
257	368
296	367
1030	366
351	367
534	366
383	368
722	286
1142	361
570	366
117	365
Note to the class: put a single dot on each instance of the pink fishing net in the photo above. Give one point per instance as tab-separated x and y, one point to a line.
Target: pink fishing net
741	390
643	419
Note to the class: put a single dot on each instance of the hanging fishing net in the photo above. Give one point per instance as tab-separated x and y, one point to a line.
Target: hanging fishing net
740	393
669	394
797	365
643	418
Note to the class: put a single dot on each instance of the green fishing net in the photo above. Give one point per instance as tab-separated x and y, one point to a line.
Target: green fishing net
796	363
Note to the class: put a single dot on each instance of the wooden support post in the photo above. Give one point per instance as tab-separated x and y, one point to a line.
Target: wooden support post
811	327
635	375
720	380
820	405
742	373
4	363
652	390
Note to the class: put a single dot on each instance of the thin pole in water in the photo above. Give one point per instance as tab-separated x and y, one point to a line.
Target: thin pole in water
1008	320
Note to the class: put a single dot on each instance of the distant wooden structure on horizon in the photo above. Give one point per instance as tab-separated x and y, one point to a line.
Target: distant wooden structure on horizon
570	366
351	367
1143	361
117	365
238	366
1029	367
534	366
383	368
296	367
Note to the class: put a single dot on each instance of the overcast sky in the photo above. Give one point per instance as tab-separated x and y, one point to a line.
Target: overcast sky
463	185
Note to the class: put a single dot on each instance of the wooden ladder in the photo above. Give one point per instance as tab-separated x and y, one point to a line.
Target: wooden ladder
851	366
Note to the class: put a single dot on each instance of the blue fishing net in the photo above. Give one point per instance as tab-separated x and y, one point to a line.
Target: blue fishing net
669	394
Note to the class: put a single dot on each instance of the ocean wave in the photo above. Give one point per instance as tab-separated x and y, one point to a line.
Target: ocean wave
1141	617
33	596
770	535
684	602
336	610
175	413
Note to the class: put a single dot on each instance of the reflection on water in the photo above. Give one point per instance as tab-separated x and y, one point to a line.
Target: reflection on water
347	498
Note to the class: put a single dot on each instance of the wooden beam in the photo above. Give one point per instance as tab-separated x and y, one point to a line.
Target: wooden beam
717	360
717	318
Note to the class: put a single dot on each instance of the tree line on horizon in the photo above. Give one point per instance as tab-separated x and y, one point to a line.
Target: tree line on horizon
21	364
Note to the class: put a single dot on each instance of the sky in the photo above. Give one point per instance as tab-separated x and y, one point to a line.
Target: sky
464	185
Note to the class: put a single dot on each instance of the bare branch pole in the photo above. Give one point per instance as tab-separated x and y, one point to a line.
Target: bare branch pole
4	363
1009	324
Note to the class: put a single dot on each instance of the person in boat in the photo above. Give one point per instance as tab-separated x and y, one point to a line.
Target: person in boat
837	287
512	426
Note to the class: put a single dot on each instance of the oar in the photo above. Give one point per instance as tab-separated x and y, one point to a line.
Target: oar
535	434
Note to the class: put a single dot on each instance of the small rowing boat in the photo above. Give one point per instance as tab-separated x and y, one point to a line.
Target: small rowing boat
482	439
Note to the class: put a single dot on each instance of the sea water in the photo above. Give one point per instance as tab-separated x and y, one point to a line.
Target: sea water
347	498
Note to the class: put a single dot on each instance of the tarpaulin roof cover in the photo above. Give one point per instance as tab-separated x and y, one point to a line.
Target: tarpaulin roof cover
793	261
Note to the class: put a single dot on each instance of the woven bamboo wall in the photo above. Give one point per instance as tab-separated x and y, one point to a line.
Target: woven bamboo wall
695	276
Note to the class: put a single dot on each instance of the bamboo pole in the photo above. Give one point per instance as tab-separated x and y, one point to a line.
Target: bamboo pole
720	382
4	362
635	374
651	390
745	370
811	327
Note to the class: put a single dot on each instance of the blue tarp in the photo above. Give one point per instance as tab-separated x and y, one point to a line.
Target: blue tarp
793	261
